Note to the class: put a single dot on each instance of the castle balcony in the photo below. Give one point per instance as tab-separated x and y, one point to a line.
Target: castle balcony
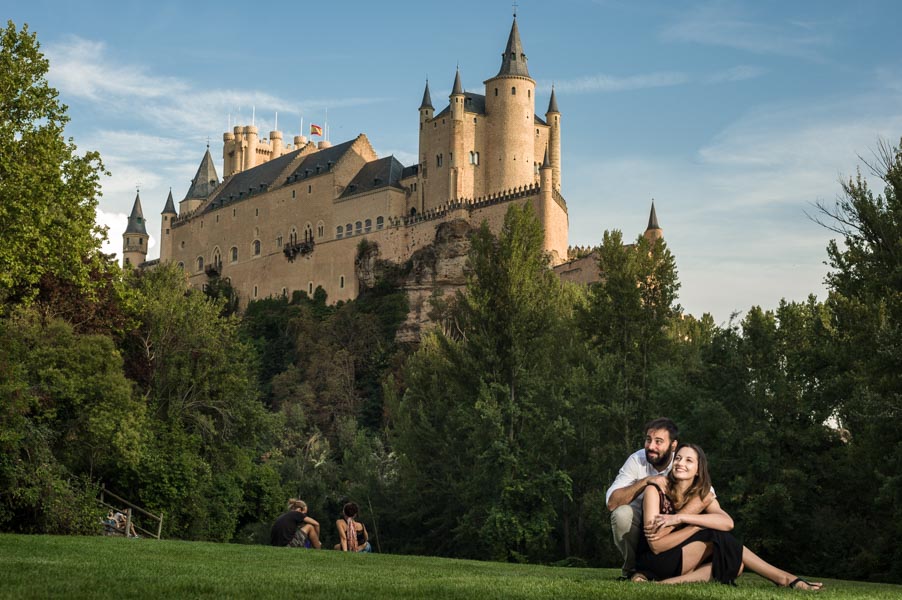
214	270
295	249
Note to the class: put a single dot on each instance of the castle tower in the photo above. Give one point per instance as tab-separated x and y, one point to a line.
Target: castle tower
275	138
168	215
546	209
653	231
553	118
135	238
250	147
510	110
456	148
203	184
228	153
426	112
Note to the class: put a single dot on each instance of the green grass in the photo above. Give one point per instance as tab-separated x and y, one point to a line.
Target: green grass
104	567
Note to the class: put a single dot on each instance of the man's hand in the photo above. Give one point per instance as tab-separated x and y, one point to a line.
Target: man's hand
658	480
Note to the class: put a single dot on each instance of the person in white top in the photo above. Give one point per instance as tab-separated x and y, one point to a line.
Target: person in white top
624	497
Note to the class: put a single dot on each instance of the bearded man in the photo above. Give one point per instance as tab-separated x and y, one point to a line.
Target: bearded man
649	465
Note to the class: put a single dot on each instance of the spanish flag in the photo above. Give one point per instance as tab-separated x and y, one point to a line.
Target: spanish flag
316	130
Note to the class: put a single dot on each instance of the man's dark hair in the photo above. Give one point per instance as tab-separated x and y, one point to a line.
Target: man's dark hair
663	423
350	510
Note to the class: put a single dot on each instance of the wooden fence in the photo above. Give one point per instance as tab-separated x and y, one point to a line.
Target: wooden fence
126	508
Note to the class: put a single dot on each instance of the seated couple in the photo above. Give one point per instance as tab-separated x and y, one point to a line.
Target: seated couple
668	523
297	529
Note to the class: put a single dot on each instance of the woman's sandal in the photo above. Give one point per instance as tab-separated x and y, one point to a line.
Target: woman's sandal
812	586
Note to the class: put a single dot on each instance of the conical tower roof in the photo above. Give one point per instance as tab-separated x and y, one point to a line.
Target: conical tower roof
136	219
169	209
552	104
458	89
546	163
653	218
427	98
206	179
513	61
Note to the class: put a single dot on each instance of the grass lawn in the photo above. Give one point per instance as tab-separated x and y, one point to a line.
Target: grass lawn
106	567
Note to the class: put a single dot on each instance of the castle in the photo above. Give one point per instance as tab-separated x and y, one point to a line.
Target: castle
291	217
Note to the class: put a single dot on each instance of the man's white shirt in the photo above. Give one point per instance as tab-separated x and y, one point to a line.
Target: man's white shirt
635	468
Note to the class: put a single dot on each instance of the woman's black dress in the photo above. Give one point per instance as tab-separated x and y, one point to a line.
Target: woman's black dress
726	557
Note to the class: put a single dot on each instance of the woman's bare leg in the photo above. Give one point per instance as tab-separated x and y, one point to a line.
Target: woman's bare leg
694	555
313	536
703	573
755	563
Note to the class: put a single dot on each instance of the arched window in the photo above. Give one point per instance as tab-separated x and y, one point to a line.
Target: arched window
233	254
217	258
308	232
255	291
380	222
293	235
367	225
279	241
413	212
348	229
358	227
182	266
339	232
200	263
513	90
310	287
256	247
320	229
341	282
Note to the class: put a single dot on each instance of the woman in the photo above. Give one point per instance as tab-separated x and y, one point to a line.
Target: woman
700	550
352	534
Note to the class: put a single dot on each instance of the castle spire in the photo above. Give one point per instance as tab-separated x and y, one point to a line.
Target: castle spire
513	61
427	98
653	217
136	219
546	163
458	89
169	209
552	104
205	180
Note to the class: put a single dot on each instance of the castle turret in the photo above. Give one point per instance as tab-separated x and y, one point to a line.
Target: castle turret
547	206
553	118
250	147
653	231
203	184
457	142
228	153
275	138
167	216
135	238
510	108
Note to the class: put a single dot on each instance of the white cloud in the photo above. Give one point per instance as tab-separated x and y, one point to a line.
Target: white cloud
725	24
610	83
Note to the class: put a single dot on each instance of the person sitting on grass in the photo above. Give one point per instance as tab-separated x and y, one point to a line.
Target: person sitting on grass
352	534
684	548
295	529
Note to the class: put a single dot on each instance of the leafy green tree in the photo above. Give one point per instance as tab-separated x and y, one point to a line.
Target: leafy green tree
48	193
487	393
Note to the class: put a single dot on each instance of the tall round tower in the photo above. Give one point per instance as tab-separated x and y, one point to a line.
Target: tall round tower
167	216
135	238
457	147
510	114
553	118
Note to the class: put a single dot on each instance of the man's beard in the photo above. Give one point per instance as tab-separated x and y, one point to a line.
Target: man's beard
661	462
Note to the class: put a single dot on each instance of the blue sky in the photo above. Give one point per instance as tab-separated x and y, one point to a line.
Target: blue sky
734	116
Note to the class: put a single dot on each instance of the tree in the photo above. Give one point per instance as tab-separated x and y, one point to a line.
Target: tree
48	193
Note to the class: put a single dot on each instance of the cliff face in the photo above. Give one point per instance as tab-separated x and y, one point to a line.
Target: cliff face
436	272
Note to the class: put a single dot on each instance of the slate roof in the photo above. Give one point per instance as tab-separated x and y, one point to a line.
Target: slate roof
410	171
376	174
473	103
513	61
205	180
457	88
552	103
427	97
169	209
653	218
136	219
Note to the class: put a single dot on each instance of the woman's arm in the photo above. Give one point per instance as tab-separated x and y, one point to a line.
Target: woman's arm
314	522
714	517
661	537
342	534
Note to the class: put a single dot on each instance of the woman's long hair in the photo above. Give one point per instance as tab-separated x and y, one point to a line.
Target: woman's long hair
700	486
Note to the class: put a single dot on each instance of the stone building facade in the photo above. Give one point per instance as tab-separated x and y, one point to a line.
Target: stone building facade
289	217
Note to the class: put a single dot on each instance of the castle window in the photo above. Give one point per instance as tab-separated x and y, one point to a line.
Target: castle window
128	262
167	232
339	231
536	168
368	225
513	90
309	189
537	133
284	292
293	236
529	93
358	226
128	241
217	218
256	212
413	212
348	229
200	263
310	287
438	160
256	247
255	291
308	233
182	244
279	241
293	193
341	282
474	120
233	212
380	222
217	258
233	253
474	158
182	266
320	229
451	157
496	91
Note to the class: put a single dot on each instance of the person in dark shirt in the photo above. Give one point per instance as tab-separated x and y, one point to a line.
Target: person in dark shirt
295	529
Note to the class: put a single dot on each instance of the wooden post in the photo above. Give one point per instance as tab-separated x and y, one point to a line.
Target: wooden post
128	521
160	526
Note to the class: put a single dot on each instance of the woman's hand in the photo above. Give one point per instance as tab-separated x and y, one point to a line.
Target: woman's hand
662	521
